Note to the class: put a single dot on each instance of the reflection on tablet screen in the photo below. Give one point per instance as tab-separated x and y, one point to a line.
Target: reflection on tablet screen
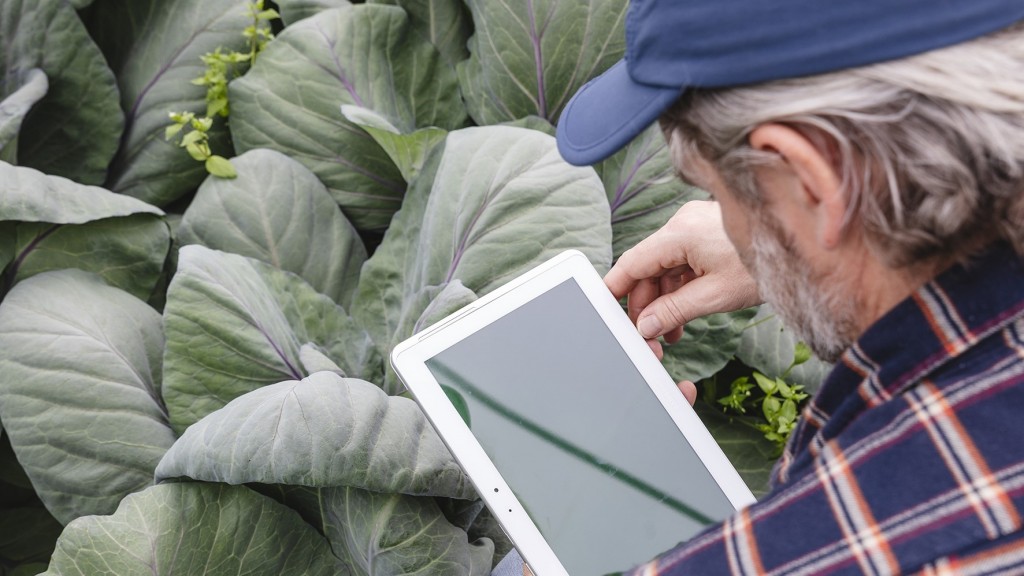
575	431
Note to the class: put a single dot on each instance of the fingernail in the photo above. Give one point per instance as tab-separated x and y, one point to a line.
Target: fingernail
649	327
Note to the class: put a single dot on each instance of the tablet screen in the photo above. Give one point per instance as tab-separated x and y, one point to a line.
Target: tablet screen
578	435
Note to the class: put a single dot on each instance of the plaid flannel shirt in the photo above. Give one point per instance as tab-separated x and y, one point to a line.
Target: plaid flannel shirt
910	458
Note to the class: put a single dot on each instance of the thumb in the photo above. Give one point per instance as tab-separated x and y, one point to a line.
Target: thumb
698	297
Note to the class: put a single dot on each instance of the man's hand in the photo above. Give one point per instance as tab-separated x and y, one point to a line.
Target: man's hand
685	270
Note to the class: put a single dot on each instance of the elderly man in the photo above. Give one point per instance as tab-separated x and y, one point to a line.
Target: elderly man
866	160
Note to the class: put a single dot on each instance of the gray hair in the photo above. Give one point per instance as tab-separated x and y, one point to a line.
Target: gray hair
930	148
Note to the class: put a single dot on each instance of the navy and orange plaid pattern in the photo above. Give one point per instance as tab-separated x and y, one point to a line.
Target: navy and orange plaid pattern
910	459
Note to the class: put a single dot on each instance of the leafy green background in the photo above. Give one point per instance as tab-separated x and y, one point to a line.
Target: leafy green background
192	368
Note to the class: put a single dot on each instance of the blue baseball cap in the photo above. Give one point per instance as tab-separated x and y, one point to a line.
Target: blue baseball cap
672	45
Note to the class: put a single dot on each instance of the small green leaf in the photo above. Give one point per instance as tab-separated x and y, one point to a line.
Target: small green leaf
766	384
172	131
202	124
801	354
771	407
192	137
788	412
221	167
196	152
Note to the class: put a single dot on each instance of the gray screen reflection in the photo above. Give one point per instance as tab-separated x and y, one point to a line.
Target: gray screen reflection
578	435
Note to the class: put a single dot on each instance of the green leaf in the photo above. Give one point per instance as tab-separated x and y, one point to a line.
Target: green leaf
362	55
277	211
444	23
768	347
220	167
766	384
28	195
154	48
128	252
294	10
429	305
235	324
531	57
68	225
14	108
495	202
749	452
643	190
374	533
322	431
534	123
74	130
314	360
193	529
407	151
707	345
80	390
801	354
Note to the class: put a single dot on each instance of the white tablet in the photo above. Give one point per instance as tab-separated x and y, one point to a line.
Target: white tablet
571	430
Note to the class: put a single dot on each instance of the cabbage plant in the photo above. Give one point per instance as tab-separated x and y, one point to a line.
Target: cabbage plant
192	368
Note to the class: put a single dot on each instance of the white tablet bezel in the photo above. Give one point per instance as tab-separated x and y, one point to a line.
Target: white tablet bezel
409	361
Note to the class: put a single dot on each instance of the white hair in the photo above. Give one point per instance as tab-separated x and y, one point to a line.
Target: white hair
930	148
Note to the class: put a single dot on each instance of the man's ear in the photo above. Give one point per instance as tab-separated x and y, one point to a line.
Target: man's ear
814	185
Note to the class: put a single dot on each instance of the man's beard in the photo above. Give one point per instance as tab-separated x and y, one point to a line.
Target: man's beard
820	312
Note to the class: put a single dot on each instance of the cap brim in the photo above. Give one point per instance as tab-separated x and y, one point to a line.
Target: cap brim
607	113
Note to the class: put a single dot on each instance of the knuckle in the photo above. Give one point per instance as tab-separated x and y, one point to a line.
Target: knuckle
675	312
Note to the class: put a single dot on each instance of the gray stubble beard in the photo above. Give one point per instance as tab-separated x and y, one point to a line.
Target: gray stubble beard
820	311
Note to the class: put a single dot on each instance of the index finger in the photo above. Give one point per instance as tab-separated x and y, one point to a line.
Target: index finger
651	258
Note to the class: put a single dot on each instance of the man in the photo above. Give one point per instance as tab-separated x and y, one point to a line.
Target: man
866	158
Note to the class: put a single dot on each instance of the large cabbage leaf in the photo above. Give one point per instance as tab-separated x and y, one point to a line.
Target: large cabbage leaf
73	127
768	346
51	223
80	390
15	105
363	55
373	533
531	57
444	23
643	190
294	10
707	345
154	47
188	528
322	431
495	202
277	211
235	324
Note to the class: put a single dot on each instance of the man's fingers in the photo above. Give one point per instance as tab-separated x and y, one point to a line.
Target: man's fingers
641	297
651	258
659	352
688	390
700	297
